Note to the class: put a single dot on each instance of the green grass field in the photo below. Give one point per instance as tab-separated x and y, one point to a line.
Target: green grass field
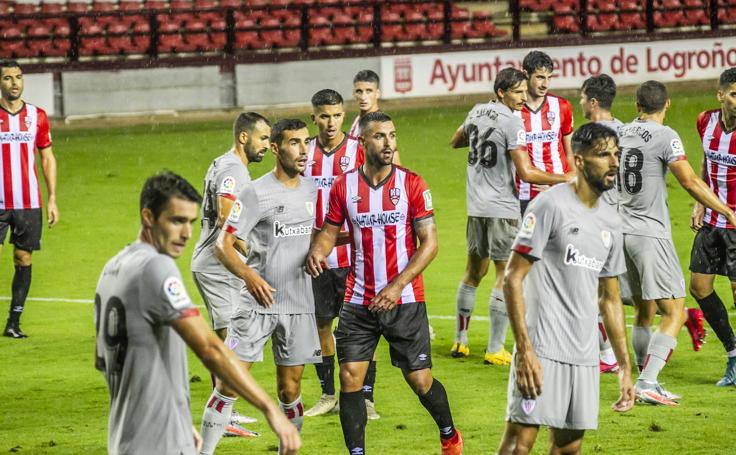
52	400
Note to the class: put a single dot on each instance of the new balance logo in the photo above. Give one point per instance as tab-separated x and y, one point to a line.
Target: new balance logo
577	259
317	353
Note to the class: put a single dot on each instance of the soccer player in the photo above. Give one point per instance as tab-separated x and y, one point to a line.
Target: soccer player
569	244
225	179
275	215
24	128
713	251
367	92
548	123
388	209
648	150
144	317
497	145
332	153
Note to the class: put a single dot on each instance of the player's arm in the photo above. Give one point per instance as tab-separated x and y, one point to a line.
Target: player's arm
222	362
48	166
567	144
459	139
530	174
696	218
697	188
225	252
322	244
528	369
612	312
426	231
224	205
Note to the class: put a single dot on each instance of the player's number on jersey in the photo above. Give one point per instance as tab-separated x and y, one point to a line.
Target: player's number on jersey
482	148
115	336
209	208
632	165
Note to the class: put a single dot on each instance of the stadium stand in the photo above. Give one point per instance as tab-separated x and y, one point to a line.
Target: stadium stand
77	30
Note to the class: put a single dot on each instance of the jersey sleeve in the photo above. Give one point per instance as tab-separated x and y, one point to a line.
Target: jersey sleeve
420	198
244	214
702	123
230	182
672	150
163	295
360	156
566	120
336	211
468	120
515	134
43	133
536	227
615	263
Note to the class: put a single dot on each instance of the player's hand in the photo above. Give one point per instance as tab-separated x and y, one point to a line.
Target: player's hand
386	299
315	264
570	176
289	440
696	218
52	212
260	289
627	395
731	218
540	188
197	440
528	374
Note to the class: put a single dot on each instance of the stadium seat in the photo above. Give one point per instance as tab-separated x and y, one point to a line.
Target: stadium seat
118	38
77	7
483	26
292	31
13	44
156	5
415	27
392	29
104	7
130	5
51	7
364	26
25	8
140	39
246	35
38	39
343	26
319	31
92	40
170	40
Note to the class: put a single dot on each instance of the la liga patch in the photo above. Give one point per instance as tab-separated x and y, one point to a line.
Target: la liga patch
677	148
176	293
227	186
235	212
528	225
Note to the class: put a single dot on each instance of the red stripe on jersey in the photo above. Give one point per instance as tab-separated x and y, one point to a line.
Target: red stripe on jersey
716	140
24	181
389	236
7	177
546	145
229	229
731	180
714	145
364	206
319	221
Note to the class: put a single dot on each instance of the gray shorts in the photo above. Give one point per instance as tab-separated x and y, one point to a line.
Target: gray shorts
491	237
219	291
653	269
294	339
569	398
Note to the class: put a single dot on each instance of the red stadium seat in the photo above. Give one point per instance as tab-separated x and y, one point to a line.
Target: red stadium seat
246	36
364	27
170	40
52	7
344	28
156	5
25	8
292	31
392	29
38	38
130	5
92	40
415	28
104	7
140	38
77	7
118	38
13	44
319	31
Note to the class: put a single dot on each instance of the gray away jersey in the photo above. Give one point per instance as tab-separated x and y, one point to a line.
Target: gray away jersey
143	359
226	177
277	223
611	196
572	247
647	149
492	131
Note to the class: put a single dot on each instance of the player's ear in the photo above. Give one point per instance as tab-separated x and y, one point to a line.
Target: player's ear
147	218
314	117
378	93
275	148
719	96
243	137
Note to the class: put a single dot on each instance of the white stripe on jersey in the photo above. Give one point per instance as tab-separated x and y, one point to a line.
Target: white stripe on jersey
359	286
379	244
721	173
355	129
554	146
402	255
15	168
32	177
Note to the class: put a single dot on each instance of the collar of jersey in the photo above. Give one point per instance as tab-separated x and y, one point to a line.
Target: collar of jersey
337	147
382	182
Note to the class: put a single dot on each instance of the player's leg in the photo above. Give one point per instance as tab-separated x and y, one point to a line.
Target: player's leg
475	269
641	332
368	384
357	335
607	358
503	233
518	439
565	442
288	383
26	228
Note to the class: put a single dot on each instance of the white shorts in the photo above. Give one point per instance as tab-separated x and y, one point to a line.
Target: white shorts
654	270
219	291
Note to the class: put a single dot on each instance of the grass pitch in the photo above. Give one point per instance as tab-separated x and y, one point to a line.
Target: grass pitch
52	400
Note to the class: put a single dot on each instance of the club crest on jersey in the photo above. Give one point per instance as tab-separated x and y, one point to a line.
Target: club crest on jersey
309	205
527	226
175	292
28	122
344	163
235	212
551	117
528	406
606	237
394	194
228	185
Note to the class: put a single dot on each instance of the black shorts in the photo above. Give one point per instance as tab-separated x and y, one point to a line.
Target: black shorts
329	292
25	228
714	252
406	329
523	205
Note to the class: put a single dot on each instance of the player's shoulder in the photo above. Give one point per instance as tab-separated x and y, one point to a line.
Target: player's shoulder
705	116
308	183
406	171
564	103
351	138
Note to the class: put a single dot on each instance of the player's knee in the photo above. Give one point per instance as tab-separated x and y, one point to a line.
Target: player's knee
289	392
223	389
21	258
700	290
420	384
350	381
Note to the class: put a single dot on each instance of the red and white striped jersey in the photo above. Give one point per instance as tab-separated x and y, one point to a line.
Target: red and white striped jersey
719	148
20	135
545	128
380	220
324	167
355	129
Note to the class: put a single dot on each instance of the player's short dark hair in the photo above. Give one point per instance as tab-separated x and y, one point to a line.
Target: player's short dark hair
287	124
246	121
651	97
602	88
727	78
326	97
161	187
536	60
9	64
508	78
367	76
377	116
587	137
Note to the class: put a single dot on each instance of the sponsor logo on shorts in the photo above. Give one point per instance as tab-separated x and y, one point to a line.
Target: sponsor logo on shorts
176	293
282	230
427	195
575	258
228	185
528	406
422	357
527	226
395	195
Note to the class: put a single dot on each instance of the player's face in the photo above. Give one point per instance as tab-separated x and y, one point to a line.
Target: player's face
258	142
173	227
366	94
379	142
727	98
600	166
539	82
11	83
329	120
586	105
515	97
293	151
